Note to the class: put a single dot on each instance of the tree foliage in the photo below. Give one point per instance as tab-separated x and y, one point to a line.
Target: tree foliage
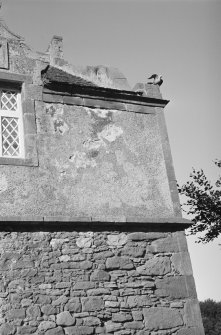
211	316
203	204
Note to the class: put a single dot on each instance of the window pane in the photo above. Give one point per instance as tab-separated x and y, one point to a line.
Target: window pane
10	138
9	100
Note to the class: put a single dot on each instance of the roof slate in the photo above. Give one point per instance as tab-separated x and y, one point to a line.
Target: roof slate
54	75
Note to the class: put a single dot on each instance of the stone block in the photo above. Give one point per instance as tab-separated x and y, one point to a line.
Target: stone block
7	329
98	291
112	326
28	106
55	331
137	315
29	123
157	318
133	251
65	319
26	330
100	275
86	265
182	263
169	244
33	92
60	301
92	321
83	285
16	313
48	309
73	305
139	301
45	325
121	317
191	331
176	287
123	263
117	240
79	330
134	325
92	304
33	311
192	314
157	266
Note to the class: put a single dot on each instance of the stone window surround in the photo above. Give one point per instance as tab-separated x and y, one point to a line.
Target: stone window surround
27	104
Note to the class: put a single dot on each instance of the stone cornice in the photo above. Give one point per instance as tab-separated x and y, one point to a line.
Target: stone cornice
93	223
101	93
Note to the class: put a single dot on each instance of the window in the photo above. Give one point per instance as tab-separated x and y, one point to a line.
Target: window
11	124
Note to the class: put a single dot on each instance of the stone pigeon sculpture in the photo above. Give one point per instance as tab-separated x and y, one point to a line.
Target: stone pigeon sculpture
157	80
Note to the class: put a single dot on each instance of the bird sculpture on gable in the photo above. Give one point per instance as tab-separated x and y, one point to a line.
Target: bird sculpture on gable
157	79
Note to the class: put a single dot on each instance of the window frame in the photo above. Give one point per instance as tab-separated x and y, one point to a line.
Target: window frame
10	114
23	83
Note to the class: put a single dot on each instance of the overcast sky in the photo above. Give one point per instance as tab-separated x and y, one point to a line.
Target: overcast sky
178	39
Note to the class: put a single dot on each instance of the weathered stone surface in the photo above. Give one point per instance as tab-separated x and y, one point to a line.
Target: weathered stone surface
98	291
24	330
140	236
182	264
65	319
79	330
84	242
143	332
169	244
17	313
45	325
73	305
122	263
156	318
84	285
137	315
48	309
42	299
191	331
113	326
92	304
92	321
6	329
139	301
134	325
100	275
192	315
117	240
176	287
133	251
157	266
121	317
55	331
61	300
33	311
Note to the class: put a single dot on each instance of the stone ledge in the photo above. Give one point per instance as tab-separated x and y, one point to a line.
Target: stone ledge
15	77
70	223
103	100
19	162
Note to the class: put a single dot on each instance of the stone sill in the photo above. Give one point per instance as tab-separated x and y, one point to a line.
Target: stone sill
18	162
68	223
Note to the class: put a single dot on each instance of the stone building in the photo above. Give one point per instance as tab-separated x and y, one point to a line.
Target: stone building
91	234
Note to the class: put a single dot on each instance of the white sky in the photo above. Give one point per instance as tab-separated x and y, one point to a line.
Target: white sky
178	39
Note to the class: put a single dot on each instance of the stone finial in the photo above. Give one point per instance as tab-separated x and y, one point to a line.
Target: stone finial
55	49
